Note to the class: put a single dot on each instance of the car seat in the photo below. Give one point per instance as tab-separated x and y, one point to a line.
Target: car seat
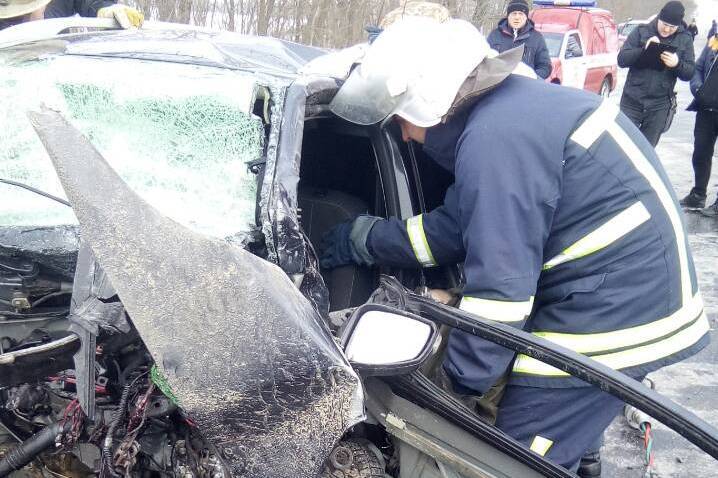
322	209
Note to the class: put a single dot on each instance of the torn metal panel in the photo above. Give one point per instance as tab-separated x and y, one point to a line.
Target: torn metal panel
55	248
91	308
291	248
91	311
245	353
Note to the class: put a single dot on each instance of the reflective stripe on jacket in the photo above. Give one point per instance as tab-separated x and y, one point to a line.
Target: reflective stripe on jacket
570	229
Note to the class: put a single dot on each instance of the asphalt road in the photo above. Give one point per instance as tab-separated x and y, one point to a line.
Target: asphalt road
693	383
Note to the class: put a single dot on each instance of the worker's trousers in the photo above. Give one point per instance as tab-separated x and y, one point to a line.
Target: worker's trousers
651	122
559	423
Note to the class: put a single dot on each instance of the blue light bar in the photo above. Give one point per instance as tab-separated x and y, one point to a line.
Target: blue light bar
565	3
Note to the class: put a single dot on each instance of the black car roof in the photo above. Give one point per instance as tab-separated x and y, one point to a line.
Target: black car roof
162	42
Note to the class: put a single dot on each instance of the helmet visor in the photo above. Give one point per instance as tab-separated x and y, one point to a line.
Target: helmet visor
364	100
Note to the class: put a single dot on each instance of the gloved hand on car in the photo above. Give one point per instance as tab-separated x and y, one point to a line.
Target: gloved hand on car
126	16
345	243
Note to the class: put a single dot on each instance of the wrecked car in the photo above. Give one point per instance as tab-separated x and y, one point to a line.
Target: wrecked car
162	311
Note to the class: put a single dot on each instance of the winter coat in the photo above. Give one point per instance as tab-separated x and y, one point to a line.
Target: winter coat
68	8
707	65
568	229
535	50
647	88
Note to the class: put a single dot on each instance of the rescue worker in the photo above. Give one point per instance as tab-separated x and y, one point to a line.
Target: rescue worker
706	129
648	98
14	12
566	222
515	30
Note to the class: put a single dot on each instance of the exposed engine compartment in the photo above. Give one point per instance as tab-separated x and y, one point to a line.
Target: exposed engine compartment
137	424
137	427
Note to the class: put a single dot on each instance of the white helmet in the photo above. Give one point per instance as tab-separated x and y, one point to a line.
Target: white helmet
17	8
414	70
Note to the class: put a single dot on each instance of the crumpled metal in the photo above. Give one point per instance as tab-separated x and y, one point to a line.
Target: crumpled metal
247	355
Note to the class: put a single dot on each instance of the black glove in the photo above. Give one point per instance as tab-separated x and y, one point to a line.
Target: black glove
337	246
345	243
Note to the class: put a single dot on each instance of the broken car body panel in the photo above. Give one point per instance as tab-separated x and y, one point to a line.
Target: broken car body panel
248	357
242	349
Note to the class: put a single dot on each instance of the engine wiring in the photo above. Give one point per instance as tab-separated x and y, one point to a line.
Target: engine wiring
138	426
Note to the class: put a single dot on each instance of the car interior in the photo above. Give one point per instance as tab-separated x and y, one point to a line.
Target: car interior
339	180
344	174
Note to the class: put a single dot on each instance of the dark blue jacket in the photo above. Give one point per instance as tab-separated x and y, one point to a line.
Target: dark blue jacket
535	51
707	65
68	8
569	229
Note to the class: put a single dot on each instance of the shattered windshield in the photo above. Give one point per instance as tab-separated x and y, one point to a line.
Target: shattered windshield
180	135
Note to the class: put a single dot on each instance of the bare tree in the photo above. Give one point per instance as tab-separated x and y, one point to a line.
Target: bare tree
338	23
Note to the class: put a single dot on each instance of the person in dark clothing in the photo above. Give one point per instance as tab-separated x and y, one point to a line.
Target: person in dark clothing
705	103
84	8
516	29
648	98
693	28
714	29
566	222
14	12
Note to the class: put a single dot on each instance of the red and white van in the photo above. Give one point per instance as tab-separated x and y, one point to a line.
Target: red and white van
582	41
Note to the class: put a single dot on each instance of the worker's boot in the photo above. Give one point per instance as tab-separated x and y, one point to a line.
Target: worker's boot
694	200
590	466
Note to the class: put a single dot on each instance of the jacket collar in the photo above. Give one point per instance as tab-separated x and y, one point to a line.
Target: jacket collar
523	33
440	141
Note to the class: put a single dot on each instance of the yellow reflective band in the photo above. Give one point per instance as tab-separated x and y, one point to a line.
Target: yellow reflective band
604	120
630	337
498	310
605	235
664	195
541	445
627	358
415	229
595	125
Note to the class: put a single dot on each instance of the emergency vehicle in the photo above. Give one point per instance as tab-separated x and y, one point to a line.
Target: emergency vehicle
582	41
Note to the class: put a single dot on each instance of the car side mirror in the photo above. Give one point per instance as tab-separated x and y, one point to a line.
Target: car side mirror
382	341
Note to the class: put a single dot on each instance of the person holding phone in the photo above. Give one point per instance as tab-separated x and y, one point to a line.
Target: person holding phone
648	98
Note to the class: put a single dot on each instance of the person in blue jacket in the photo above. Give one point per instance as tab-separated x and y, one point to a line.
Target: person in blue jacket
565	220
516	29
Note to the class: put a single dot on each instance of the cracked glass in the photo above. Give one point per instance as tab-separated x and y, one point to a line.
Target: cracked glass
179	134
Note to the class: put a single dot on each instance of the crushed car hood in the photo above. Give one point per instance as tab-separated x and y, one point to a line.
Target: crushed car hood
247	356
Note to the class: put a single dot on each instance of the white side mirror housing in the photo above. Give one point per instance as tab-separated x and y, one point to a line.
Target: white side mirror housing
379	340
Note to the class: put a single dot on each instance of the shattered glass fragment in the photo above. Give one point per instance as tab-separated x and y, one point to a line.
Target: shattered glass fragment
180	135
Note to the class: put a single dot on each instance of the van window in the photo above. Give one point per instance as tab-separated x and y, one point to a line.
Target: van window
553	43
573	47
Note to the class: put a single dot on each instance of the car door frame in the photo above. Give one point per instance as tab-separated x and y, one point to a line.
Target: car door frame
674	416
